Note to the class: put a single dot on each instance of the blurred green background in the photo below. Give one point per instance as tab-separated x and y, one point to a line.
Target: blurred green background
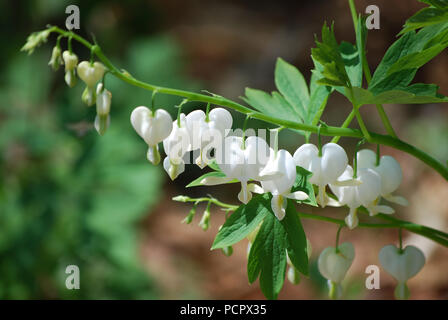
68	196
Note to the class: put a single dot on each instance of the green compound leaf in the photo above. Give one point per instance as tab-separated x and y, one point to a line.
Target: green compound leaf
411	51
273	105
328	55
243	221
296	239
414	94
267	256
292	85
426	17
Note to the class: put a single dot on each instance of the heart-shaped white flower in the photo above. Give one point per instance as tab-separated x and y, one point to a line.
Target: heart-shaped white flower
326	169
364	194
388	169
402	265
207	134
153	128
244	162
278	177
333	265
90	73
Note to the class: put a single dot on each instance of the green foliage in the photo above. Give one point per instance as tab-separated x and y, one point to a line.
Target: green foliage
328	55
267	256
435	14
302	184
295	102
242	222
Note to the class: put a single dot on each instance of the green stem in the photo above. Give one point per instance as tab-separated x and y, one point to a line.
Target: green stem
221	101
354	13
337	238
430	233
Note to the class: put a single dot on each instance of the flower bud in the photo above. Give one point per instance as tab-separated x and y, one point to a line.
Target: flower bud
103	100
101	124
70	60
205	220
189	218
56	59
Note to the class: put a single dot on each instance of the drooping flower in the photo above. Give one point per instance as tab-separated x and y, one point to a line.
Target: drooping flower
103	102
402	265
364	194
90	73
153	128
388	169
326	168
56	58
70	62
175	146
278	177
206	134
334	263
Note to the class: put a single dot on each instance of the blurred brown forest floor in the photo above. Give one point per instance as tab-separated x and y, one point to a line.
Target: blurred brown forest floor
230	45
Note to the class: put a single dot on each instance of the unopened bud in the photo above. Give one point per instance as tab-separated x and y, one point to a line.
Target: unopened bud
56	59
103	100
181	198
189	218
205	220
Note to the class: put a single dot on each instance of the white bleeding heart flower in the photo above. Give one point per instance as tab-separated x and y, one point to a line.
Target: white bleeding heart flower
207	134
333	264
70	62
153	128
90	73
103	100
364	194
326	168
402	265
242	162
388	169
175	146
278	177
56	58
